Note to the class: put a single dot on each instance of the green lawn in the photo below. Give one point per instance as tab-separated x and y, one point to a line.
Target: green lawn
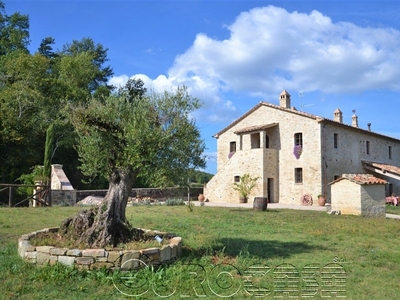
288	252
393	209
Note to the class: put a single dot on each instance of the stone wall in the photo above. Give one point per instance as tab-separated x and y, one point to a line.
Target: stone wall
358	199
90	259
276	162
64	194
320	161
373	201
346	197
160	194
346	158
63	197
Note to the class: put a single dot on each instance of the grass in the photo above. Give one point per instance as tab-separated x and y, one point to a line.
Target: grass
300	244
393	209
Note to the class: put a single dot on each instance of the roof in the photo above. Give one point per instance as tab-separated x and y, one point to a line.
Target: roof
255	128
361	179
284	92
293	110
290	110
382	166
337	110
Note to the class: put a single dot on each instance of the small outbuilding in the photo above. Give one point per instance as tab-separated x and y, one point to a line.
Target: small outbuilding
359	194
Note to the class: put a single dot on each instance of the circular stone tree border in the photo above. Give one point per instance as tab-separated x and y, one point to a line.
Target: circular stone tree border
91	259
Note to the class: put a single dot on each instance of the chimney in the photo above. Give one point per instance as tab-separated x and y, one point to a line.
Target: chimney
369	126
284	99
354	120
338	115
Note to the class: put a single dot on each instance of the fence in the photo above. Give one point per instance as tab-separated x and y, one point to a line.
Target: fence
41	194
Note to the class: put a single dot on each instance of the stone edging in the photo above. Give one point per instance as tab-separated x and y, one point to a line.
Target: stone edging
90	259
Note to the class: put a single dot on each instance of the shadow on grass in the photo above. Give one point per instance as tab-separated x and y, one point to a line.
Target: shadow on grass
257	249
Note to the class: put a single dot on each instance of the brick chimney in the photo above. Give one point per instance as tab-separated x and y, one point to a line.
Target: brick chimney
338	115
284	99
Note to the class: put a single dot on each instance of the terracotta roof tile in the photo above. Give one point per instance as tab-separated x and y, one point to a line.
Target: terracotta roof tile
255	128
361	179
383	167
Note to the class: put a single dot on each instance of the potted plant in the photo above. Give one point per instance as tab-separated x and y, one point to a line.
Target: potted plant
245	186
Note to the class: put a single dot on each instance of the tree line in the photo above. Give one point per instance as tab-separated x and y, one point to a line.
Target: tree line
98	132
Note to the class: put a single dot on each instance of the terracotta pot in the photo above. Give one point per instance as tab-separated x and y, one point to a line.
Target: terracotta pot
201	197
321	201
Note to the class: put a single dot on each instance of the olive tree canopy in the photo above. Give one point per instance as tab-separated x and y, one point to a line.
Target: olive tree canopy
126	135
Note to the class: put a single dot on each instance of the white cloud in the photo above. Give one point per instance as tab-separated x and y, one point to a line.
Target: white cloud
118	81
271	49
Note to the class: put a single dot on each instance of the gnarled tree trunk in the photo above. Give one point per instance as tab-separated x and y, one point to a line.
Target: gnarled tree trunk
105	225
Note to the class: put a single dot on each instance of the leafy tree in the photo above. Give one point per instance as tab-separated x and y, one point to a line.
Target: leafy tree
14	31
36	89
22	106
98	55
122	138
133	88
46	48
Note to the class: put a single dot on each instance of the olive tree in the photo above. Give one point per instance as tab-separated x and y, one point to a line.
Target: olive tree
127	135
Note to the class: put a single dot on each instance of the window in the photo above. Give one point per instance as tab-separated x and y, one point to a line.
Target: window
236	179
232	147
298	139
390	152
298	175
335	140
255	140
367	147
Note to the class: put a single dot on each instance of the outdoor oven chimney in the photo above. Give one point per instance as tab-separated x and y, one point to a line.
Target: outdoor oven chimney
369	126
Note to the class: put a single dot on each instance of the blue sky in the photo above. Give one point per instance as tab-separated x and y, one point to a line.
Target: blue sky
233	54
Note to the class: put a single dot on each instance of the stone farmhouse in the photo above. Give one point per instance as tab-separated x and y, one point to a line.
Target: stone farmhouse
296	154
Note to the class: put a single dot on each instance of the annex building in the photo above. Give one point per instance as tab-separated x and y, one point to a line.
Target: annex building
296	154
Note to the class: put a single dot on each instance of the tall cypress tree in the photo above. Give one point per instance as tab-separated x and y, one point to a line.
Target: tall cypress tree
48	152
